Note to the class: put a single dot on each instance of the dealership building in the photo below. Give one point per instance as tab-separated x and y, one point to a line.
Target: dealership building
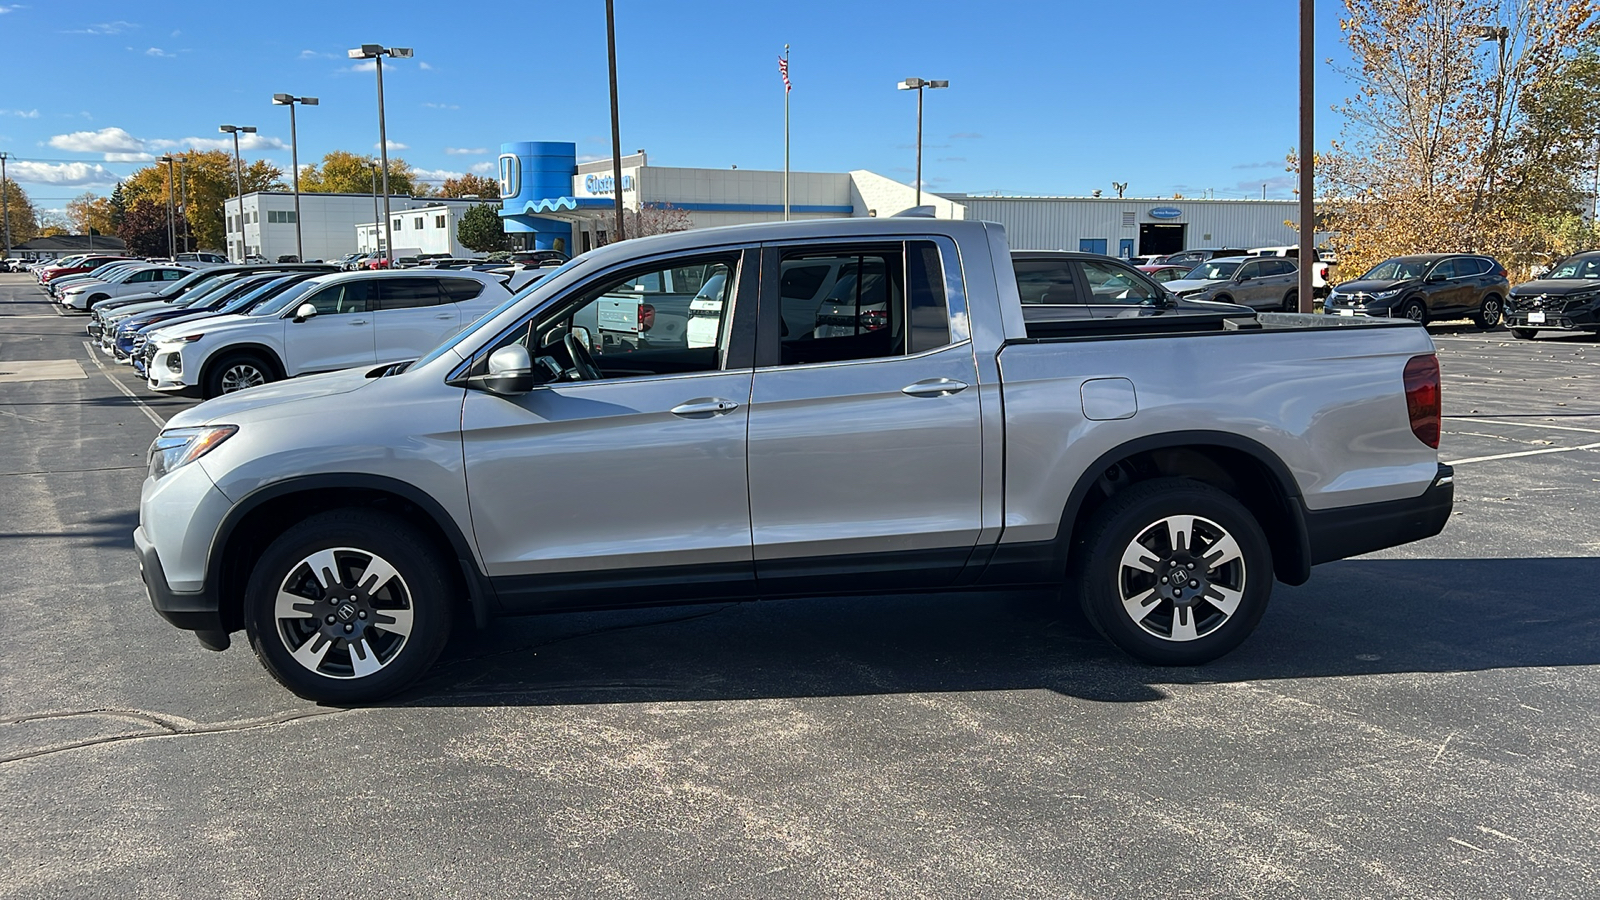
549	200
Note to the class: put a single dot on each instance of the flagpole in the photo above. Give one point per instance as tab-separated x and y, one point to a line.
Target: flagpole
786	136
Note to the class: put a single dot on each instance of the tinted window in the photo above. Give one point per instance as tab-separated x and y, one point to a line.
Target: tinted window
1046	281
1281	267
1471	266
459	290
930	313
800	282
408	293
346	297
1252	270
860	315
1114	284
1445	269
173	274
141	277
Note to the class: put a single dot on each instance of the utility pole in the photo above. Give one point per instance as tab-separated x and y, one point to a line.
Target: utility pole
172	228
616	129
1308	206
5	202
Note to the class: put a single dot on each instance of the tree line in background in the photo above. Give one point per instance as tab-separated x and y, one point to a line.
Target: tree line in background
1475	127
202	182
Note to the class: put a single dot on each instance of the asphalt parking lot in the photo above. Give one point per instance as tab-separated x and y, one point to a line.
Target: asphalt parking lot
1416	723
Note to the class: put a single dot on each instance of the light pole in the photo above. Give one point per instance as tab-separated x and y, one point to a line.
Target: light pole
376	244
238	176
919	85
616	130
5	203
172	231
290	100
183	186
376	53
1308	201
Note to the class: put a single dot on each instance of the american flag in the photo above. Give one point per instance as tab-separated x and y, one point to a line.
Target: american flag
783	69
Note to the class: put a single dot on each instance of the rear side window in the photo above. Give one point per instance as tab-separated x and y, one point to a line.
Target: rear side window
459	290
408	293
800	282
930	314
1046	281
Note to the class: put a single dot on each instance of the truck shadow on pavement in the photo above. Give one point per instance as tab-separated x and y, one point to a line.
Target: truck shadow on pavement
1357	617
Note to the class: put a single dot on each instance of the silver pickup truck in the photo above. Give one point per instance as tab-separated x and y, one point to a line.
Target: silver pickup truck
871	405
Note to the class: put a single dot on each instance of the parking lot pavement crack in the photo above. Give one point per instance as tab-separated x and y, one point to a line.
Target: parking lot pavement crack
162	725
73	471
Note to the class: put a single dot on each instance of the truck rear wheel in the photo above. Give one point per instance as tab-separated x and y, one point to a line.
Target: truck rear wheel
1174	572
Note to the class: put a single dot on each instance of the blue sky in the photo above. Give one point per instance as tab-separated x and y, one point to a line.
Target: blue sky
1046	97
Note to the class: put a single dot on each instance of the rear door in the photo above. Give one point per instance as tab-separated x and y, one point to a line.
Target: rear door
339	336
864	435
412	318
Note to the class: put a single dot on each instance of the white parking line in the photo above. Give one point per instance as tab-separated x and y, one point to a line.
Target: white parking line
160	422
1478	459
1527	425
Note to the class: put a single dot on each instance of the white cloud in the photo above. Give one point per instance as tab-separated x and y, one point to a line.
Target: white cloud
483	168
117	27
425	67
11	8
442	105
434	175
316	54
221	142
158	52
106	140
20	113
393	146
63	174
129	157
365	65
466	151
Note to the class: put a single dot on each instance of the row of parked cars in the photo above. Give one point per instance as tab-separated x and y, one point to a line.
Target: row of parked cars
222	328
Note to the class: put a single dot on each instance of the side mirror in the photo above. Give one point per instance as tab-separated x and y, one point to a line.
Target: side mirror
1433	279
1241	278
305	311
510	371
581	332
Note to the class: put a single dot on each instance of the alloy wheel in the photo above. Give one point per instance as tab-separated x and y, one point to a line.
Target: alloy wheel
1181	578
1490	313
343	613
239	376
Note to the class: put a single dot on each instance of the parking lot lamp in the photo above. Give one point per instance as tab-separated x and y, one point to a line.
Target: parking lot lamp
290	100
183	193
5	203
919	85
172	230
238	176
376	223
376	53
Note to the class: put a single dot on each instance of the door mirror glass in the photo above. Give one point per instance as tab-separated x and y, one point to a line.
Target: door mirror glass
304	312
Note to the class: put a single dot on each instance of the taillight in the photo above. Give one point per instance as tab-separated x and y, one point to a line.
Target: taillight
1499	272
1423	398
874	319
647	317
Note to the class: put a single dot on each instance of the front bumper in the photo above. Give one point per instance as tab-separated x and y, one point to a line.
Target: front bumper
1347	531
1582	319
191	611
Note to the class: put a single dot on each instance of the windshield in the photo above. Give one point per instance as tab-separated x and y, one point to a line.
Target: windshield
282	302
1396	270
209	289
492	314
183	284
260	294
1588	267
234	290
1212	271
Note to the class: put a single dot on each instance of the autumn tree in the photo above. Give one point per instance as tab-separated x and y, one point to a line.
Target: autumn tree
209	183
342	172
651	219
90	214
1470	128
20	213
480	229
467	185
144	228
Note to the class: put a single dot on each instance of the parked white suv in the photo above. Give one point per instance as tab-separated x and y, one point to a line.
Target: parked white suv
135	279
335	321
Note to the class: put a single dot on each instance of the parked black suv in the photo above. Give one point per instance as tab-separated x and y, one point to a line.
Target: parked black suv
1568	298
1426	287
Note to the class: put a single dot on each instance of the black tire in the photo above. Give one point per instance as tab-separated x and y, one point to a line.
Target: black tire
235	372
1139	514
1415	310
1291	301
88	305
1491	313
332	670
1524	334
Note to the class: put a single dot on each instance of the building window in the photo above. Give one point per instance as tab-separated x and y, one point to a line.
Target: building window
418	223
398	224
438	221
280	217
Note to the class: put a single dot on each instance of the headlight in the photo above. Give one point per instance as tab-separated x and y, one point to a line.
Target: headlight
177	447
1386	295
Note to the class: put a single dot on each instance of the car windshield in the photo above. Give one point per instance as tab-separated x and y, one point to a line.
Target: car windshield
281	302
1588	267
1396	270
1212	271
262	293
183	284
491	315
209	289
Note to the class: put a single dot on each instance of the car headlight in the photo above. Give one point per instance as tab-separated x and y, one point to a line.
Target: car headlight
177	447
1386	295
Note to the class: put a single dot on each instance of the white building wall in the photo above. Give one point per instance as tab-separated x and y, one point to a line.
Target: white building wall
873	194
1058	223
329	224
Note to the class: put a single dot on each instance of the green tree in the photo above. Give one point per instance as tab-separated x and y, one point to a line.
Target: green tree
487	188
210	182
19	210
119	207
480	229
342	172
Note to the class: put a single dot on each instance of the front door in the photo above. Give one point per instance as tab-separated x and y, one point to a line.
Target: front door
623	481
339	336
865	436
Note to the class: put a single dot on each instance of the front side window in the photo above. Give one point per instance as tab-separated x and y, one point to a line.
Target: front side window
1446	269
1114	284
345	297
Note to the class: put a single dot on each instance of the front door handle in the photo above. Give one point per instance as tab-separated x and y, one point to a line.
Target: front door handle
935	387
359	322
445	316
709	407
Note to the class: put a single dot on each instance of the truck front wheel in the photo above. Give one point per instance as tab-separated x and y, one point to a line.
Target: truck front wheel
1174	572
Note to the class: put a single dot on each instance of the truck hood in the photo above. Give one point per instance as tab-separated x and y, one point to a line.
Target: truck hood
1556	287
266	401
1192	284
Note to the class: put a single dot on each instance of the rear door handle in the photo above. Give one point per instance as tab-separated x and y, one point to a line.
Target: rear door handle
445	316
359	322
935	387
712	406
